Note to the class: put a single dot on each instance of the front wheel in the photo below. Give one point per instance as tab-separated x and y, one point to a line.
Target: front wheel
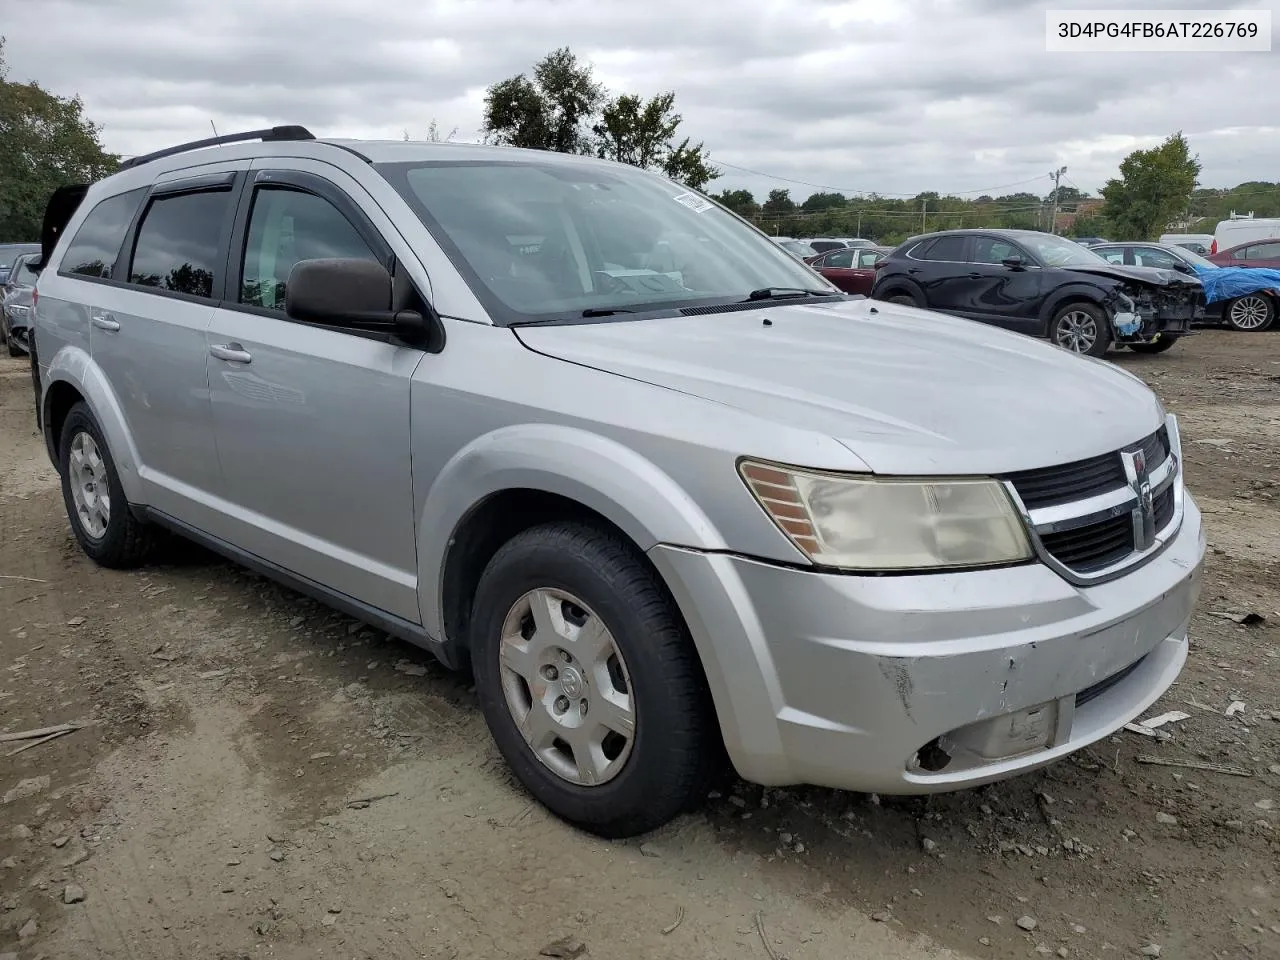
1252	313
1160	344
589	681
1081	328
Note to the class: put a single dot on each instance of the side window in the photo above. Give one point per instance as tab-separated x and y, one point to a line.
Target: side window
1266	251
841	259
1147	257
945	248
178	242
1245	253
991	250
868	258
1112	256
93	250
287	226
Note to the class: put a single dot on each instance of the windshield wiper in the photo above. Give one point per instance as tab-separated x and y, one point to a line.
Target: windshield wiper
604	311
784	293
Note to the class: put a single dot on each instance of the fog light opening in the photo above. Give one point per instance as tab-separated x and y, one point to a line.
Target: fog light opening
933	757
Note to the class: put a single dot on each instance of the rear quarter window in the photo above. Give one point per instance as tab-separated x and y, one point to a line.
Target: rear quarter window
96	245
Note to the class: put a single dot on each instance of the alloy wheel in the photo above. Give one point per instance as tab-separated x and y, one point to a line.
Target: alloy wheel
1077	331
1249	313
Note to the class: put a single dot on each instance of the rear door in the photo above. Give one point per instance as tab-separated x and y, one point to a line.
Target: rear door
147	331
1263	254
311	422
838	267
939	267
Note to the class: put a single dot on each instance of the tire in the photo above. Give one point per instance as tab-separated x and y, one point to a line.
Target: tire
1162	343
14	349
1251	313
1071	326
906	299
121	541
582	575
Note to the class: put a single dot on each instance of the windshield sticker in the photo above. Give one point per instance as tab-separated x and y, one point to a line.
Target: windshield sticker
694	202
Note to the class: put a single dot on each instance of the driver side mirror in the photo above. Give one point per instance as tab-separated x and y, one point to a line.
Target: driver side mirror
350	293
1014	263
1182	267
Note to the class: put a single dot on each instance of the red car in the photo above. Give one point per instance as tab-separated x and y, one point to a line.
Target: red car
1259	253
852	269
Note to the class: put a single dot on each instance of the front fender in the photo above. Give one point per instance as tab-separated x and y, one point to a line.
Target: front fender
1071	291
73	366
630	491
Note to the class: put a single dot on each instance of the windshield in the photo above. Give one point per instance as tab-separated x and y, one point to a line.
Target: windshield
548	241
1058	251
1190	256
23	274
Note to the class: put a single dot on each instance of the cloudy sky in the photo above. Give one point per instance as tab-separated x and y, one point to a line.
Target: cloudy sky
884	96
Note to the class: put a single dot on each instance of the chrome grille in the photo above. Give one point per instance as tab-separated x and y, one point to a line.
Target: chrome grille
1093	519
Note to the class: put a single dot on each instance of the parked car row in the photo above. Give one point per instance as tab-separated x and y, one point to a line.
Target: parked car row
666	492
1043	285
16	295
1253	312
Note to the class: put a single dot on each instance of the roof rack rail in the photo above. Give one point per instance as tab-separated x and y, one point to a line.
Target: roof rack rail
290	132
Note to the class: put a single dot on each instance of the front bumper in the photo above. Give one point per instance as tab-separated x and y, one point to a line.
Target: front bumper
853	682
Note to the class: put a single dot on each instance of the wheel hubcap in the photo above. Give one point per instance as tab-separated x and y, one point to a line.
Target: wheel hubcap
89	490
1249	313
1077	331
567	687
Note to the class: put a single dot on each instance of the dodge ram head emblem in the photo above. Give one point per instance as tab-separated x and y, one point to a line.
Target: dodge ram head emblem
1144	511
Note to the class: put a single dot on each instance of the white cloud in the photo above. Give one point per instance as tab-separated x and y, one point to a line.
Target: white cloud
948	95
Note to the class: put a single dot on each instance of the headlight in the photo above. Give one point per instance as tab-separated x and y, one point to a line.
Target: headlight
862	523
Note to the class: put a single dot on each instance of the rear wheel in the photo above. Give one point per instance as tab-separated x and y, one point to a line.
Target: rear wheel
589	681
1160	344
1081	328
906	299
100	517
1252	313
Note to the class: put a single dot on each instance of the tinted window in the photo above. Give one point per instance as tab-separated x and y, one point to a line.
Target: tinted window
287	226
842	259
177	245
993	250
944	248
94	248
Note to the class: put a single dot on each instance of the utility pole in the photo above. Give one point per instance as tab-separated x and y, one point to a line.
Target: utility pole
1056	176
859	233
924	205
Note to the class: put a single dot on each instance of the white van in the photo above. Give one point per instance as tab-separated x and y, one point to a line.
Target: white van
1197	242
1232	233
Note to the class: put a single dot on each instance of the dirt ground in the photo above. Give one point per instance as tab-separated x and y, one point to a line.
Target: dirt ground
260	777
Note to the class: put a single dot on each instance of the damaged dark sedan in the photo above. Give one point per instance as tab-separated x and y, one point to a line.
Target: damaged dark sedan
1042	285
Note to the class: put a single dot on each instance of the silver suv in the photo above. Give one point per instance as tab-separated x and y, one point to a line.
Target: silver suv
666	491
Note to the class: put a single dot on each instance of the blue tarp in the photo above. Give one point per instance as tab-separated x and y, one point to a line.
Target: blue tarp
1227	283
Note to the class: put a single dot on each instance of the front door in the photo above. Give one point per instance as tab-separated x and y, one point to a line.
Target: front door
1005	296
312	423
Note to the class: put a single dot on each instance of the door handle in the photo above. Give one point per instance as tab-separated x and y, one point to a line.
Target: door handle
104	321
975	276
231	352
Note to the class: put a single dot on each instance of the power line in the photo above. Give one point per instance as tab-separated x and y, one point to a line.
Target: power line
880	193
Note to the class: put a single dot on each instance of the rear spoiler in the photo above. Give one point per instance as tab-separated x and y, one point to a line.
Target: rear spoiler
58	212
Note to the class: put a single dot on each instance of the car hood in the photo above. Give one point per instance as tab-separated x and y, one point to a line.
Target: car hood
908	391
1154	276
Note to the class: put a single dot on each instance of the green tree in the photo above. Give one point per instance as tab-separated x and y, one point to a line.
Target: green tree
740	202
1154	188
779	204
642	133
551	111
563	108
46	142
820	202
